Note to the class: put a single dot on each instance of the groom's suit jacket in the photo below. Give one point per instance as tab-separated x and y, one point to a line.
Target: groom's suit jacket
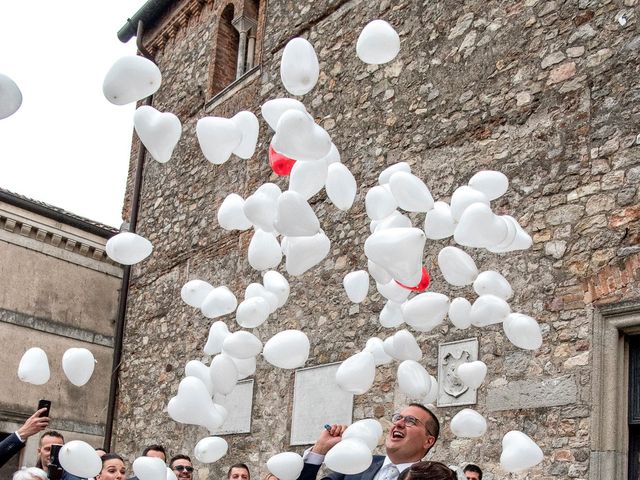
310	472
9	447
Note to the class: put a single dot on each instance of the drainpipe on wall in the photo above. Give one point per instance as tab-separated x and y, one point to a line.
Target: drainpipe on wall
124	289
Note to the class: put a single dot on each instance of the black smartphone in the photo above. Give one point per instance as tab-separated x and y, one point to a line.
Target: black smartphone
45	404
55	469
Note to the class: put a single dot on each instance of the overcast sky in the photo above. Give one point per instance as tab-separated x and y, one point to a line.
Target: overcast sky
66	145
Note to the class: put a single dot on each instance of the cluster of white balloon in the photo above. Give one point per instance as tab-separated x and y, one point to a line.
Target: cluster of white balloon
304	150
77	364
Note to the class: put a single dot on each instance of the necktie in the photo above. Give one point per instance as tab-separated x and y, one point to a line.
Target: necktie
391	472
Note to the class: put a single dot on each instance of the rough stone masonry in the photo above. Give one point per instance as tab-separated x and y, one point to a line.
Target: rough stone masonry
546	92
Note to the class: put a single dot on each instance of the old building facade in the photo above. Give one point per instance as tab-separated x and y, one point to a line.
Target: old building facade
58	290
543	91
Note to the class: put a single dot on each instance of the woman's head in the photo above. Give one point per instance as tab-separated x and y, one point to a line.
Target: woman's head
112	468
428	471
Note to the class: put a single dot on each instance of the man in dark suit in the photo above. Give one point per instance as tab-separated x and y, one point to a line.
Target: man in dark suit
17	440
414	431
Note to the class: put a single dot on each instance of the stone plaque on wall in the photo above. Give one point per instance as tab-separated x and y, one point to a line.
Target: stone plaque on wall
318	400
238	403
451	390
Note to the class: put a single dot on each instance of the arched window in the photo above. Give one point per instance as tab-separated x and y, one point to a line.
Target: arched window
226	55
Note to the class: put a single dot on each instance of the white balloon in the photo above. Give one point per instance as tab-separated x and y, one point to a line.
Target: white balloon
223	373
426	311
379	274
252	312
439	223
493	184
130	79
258	290
375	347
463	197
406	346
218	138
490	282
159	132
194	292
333	156
171	475
350	456
393	292
78	365
515	239
272	110
128	248
308	178
399	251
391	315
379	203
356	284
395	220
149	468
299	68
487	310
286	465
288	349
472	373
478	227
10	97
193	405
242	344
356	374
410	192
80	459
413	379
245	366
468	423
457	267
432	396
231	213
362	432
220	301
304	253
275	283
247	123
389	348
341	186
217	333
460	313
377	43
264	251
385	175
519	452
295	217
195	368
299	137
34	367
210	449
260	209
523	331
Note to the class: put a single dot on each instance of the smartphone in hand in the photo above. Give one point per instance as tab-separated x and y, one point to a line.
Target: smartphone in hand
45	404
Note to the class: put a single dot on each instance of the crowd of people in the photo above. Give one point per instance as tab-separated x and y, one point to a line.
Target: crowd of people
414	431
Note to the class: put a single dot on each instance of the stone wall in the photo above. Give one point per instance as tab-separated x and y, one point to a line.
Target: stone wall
545	92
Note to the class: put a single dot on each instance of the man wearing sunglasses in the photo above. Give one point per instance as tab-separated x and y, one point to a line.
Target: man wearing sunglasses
182	467
413	432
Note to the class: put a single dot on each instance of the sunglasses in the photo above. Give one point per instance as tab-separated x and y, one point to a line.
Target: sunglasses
409	420
180	468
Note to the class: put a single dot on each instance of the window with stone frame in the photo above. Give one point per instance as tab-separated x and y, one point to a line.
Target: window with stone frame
634	407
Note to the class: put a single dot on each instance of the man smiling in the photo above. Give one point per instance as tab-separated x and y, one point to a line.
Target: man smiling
414	431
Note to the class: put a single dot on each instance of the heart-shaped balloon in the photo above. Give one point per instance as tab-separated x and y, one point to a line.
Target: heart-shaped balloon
252	312
413	380
242	345
260	208
391	315
377	43
350	456
34	367
231	213
258	290
299	137
463	197
288	349
128	248
493	184
149	468
193	405
410	192
195	368
210	449
304	253
379	203
10	97
460	313
399	251
273	109
280	164
223	373
299	68
278	285
194	292
159	132
295	217
264	251
80	459
439	223
457	267
220	301
519	452
491	282
472	373
356	374
375	347
406	346
218	138
247	123
420	287
515	239
385	175
468	423
130	79
308	178
487	310
426	311
217	333
478	227
286	465
78	365
362	432
523	331
356	284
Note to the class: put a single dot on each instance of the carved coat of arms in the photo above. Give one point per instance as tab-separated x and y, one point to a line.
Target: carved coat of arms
451	383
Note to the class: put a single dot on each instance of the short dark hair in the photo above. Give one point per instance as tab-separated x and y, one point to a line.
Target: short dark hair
433	424
427	471
238	465
51	433
157	448
111	456
180	456
473	468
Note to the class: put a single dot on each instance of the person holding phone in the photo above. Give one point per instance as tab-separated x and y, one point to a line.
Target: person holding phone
17	440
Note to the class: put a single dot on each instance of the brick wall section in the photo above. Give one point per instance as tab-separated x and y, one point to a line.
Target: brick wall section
545	92
226	57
